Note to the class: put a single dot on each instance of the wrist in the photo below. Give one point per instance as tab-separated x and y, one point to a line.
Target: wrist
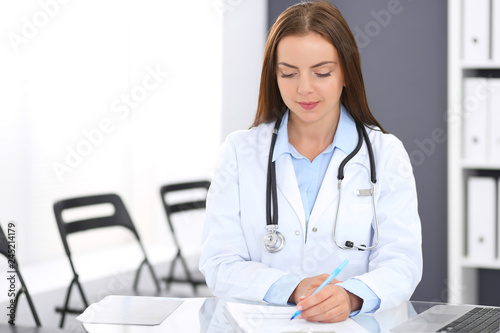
291	299
356	301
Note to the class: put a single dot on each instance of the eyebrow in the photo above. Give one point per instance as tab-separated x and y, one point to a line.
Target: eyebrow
313	66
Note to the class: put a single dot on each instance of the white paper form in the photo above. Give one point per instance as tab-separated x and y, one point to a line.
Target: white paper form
262	319
130	310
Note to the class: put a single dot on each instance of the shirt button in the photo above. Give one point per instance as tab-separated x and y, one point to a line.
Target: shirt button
315	229
297	232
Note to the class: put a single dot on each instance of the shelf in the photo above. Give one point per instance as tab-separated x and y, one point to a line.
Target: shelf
480	65
486	265
463	277
481	166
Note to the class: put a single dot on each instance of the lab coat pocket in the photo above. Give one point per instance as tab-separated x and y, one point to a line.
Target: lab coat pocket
354	225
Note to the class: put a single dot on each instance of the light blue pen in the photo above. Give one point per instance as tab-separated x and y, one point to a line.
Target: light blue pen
327	281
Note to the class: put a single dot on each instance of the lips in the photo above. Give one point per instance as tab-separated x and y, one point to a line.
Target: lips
308	105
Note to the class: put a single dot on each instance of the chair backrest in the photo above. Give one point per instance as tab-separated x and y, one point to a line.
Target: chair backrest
120	216
185	205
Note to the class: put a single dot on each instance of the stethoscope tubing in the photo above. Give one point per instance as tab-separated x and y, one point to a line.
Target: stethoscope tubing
271	192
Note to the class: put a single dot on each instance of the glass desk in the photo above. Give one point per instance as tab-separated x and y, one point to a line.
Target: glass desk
208	315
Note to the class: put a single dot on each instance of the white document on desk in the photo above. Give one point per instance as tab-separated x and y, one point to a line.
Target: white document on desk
130	310
249	318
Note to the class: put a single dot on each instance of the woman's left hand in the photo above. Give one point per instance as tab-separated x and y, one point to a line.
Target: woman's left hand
331	304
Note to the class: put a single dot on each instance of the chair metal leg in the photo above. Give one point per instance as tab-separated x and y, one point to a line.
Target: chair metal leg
189	277
65	309
138	273
170	276
30	303
81	292
28	298
16	300
158	289
66	302
188	273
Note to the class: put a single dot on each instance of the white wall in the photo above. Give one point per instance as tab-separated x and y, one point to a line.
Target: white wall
116	96
243	42
67	128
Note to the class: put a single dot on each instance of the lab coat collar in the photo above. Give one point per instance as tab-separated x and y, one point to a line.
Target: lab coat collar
282	146
346	136
286	181
328	191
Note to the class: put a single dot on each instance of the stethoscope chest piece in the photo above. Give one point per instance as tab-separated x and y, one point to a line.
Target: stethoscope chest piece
274	241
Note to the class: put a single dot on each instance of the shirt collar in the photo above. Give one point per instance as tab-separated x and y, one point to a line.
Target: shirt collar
346	136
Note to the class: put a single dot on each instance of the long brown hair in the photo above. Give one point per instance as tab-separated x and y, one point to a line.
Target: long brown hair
325	19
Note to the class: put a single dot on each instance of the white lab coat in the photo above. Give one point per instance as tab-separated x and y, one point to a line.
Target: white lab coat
234	260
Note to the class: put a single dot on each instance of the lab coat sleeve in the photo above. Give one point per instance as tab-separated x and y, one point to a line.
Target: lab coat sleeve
371	302
395	265
225	260
281	290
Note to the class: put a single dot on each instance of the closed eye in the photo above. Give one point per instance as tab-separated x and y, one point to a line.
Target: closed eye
323	74
287	75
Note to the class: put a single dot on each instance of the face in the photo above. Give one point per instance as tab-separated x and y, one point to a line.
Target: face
310	78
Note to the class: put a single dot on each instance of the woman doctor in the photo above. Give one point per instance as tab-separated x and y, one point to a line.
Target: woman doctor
276	227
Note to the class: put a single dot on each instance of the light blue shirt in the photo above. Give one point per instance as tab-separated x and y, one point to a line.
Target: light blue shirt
309	178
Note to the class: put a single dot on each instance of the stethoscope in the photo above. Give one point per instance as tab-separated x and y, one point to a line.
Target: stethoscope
274	241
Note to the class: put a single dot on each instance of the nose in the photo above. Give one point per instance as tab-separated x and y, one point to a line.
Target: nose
305	85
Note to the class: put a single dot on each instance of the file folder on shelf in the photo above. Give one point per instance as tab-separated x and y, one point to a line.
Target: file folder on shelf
494	121
498	220
495	30
475	124
481	219
476	30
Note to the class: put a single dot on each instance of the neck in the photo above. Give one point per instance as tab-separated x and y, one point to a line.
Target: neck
310	139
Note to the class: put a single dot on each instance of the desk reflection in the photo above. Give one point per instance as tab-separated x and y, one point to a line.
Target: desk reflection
213	319
209	315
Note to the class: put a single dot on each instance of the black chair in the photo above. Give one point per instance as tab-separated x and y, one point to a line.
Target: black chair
120	217
8	250
172	209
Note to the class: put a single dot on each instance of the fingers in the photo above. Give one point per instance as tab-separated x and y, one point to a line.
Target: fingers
307	286
331	304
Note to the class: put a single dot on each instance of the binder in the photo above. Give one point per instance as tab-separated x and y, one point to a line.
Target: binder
495	30
481	219
494	121
476	30
475	123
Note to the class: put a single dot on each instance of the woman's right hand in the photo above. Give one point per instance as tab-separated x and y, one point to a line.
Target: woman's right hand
307	286
331	304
